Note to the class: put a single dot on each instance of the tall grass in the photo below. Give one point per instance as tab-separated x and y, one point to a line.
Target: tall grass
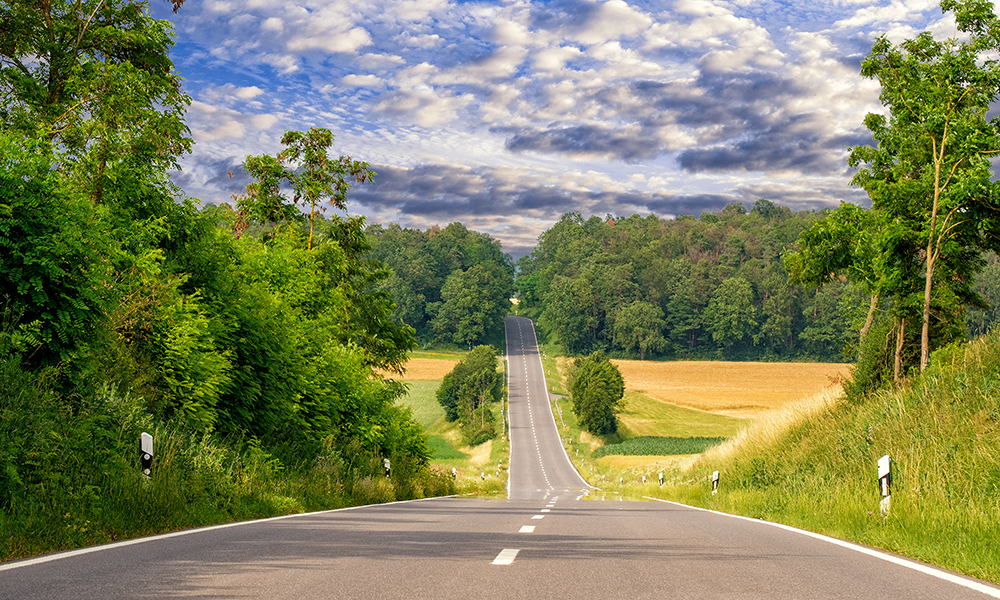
70	473
814	466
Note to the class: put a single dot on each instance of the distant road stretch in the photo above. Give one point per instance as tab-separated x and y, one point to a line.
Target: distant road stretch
542	542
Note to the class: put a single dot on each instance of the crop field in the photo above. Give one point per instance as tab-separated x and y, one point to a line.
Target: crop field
647	416
659	446
428	369
735	389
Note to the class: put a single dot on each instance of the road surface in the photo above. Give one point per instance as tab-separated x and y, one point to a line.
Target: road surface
542	542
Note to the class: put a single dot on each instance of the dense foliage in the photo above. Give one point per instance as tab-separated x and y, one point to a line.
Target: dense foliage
252	343
451	285
709	287
597	387
468	392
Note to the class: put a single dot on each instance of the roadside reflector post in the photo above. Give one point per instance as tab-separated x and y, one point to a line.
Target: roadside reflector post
661	479
885	483
386	462
715	483
146	445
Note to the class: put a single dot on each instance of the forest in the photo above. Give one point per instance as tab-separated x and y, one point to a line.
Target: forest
708	287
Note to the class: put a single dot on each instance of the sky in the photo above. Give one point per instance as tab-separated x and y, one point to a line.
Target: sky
504	115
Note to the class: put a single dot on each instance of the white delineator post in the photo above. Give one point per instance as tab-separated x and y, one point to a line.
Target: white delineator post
715	483
146	444
885	483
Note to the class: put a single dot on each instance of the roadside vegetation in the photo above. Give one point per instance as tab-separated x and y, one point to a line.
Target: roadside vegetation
253	341
478	469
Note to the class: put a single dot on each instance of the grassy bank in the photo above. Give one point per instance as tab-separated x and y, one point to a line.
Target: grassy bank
818	471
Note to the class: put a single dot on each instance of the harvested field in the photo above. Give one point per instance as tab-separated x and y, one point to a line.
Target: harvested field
736	389
428	369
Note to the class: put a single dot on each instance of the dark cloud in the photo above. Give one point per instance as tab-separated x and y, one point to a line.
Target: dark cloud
570	14
213	173
628	145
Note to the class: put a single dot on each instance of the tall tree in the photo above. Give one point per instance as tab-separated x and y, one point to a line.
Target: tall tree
305	165
94	79
930	168
640	325
598	389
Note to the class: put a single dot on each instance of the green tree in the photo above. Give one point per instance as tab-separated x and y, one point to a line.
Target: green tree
640	325
598	389
468	391
732	314
930	168
94	79
306	167
474	303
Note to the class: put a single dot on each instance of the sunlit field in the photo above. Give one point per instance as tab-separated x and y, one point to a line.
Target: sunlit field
736	389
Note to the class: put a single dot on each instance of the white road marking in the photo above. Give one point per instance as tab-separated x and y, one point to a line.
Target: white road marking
928	570
506	556
538	517
546	510
527	529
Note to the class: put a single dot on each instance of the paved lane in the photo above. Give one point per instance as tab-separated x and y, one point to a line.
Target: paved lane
539	465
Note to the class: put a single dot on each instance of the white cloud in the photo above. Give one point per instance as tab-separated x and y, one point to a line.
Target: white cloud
363	81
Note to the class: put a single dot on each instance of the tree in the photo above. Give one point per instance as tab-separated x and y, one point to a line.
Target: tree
474	305
598	389
640	325
731	313
94	79
930	168
307	168
467	392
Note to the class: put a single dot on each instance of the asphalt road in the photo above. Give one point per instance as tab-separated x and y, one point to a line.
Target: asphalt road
542	542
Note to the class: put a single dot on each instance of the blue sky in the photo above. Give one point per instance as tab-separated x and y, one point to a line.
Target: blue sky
504	115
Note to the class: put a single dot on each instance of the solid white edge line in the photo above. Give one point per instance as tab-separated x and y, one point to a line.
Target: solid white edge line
548	402
510	438
27	562
903	562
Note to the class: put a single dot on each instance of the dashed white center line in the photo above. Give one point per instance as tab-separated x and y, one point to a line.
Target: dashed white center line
506	556
546	510
527	529
538	517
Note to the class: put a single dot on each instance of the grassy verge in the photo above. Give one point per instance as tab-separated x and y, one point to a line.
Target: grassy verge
480	470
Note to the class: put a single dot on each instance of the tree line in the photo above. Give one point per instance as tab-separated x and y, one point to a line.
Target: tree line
452	285
707	287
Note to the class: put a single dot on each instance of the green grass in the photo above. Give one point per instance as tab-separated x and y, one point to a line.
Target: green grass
645	416
441	449
658	446
942	432
422	402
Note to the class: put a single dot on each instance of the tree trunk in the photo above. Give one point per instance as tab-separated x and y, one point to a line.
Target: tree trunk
898	363
870	318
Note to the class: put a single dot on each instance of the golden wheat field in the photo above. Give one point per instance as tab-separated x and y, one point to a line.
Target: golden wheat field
736	389
427	369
